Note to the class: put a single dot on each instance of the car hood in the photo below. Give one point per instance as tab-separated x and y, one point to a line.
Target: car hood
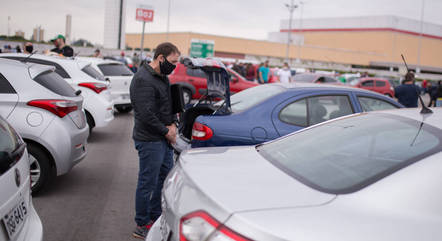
240	179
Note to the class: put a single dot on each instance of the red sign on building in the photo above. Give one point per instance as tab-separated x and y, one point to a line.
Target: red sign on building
144	15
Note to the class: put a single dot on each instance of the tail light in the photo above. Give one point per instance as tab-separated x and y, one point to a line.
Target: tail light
58	107
97	87
200	225
201	132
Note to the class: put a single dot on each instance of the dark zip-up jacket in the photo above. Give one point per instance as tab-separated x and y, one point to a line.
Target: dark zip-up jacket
152	102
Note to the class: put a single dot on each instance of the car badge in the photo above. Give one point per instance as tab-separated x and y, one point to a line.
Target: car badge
17	177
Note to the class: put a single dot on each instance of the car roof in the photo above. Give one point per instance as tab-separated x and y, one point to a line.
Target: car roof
34	69
373	78
433	119
303	86
97	61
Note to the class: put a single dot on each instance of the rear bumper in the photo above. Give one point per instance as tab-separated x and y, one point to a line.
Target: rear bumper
33	229
66	143
181	144
101	108
121	98
155	232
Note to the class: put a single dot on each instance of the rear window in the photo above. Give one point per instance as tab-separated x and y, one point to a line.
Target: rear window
249	97
370	147
115	70
9	142
55	83
306	78
89	70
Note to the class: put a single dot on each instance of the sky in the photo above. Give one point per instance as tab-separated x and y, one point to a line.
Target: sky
252	19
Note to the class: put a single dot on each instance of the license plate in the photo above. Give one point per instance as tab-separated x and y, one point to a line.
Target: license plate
15	219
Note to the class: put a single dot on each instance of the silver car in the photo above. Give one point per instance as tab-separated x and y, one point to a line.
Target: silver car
48	114
369	176
18	218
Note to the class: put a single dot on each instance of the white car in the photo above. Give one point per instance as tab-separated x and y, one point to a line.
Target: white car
119	76
47	113
82	76
18	218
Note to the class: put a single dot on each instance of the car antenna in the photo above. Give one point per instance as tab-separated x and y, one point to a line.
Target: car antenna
29	56
425	109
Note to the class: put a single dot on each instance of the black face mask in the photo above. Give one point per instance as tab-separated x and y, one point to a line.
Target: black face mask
29	48
166	67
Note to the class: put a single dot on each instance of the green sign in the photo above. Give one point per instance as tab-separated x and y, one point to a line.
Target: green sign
201	48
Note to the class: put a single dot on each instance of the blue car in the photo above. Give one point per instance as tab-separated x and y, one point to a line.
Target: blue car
266	112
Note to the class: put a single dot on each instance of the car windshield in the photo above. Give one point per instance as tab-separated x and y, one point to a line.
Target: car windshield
370	147
9	142
305	78
247	98
89	70
115	70
55	83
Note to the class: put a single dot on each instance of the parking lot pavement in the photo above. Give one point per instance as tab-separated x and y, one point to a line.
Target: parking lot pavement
95	201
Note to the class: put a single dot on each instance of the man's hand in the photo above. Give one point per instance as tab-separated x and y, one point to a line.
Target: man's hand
171	135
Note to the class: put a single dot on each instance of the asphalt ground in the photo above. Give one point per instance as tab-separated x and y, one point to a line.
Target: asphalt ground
95	201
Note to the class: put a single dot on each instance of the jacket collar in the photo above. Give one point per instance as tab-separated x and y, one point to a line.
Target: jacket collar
153	72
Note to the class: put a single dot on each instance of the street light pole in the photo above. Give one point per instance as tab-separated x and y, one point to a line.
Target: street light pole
298	60
168	19
418	67
291	8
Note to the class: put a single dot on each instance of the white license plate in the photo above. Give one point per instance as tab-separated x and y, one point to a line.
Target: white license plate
15	219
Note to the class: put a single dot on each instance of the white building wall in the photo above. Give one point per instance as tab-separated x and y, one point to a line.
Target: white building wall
112	23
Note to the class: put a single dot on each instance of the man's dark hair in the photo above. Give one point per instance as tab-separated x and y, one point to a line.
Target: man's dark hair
165	49
409	76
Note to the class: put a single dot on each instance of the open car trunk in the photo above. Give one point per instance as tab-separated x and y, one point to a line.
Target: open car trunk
217	89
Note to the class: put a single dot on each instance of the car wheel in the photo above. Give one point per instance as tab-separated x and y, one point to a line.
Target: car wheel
187	96
90	122
123	109
41	170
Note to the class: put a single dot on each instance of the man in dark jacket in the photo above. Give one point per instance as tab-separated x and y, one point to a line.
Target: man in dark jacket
154	131
407	93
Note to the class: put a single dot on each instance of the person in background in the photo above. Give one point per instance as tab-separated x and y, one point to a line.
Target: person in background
264	73
153	133
60	46
28	48
407	93
136	62
250	72
439	94
432	92
97	54
285	74
17	49
425	85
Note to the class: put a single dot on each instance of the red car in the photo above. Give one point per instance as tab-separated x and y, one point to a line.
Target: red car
379	85
315	78
194	82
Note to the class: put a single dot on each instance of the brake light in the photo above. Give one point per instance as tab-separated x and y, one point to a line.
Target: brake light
58	107
200	225
201	132
97	87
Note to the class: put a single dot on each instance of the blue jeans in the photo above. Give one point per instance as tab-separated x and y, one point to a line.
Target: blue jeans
156	160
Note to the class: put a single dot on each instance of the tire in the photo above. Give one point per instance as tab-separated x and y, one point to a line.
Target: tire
123	109
42	173
187	96
90	122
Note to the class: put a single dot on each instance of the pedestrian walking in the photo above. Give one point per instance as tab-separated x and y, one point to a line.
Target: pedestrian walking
407	93
285	74
154	132
61	48
136	62
263	73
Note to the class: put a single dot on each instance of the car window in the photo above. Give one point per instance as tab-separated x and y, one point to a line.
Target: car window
55	83
5	86
249	97
373	104
115	70
380	83
323	108
305	78
346	155
196	73
329	80
9	142
58	69
367	83
89	70
295	113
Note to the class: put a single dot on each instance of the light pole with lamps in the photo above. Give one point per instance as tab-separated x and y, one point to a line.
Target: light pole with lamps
291	7
418	67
